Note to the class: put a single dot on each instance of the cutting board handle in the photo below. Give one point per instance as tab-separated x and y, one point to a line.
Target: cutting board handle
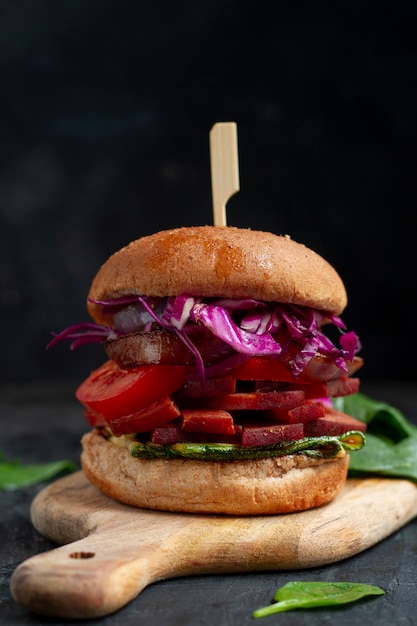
90	578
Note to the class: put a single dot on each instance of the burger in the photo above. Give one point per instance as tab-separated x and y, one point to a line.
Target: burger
224	348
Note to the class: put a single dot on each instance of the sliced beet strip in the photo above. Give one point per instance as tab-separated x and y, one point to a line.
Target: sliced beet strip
310	410
172	433
214	387
207	421
256	401
334	423
264	434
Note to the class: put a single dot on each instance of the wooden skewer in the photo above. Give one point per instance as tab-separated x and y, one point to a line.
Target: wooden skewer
224	168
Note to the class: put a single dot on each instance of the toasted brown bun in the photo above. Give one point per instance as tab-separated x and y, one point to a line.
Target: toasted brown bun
220	261
256	487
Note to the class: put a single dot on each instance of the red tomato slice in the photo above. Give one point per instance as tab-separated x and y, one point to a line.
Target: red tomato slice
114	392
157	414
262	368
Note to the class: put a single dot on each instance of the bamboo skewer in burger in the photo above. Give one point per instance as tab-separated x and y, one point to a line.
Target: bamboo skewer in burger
215	395
224	162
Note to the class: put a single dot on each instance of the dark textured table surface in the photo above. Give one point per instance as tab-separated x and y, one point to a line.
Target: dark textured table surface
45	423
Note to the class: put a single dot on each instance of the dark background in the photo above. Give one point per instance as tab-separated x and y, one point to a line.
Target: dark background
105	111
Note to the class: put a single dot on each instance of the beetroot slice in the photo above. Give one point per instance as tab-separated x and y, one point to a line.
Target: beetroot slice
254	401
310	410
208	421
213	387
334	423
266	434
173	433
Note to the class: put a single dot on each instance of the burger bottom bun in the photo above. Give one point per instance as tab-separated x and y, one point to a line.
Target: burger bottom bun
253	487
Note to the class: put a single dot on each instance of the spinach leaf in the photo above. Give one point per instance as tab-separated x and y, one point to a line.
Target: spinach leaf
307	595
386	458
379	416
391	440
14	475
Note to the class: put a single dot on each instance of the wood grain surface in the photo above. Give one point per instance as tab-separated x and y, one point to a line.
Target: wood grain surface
110	552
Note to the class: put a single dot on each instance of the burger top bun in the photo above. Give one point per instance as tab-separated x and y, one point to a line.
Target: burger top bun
219	261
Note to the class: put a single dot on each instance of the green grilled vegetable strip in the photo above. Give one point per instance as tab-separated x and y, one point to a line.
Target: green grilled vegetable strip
322	447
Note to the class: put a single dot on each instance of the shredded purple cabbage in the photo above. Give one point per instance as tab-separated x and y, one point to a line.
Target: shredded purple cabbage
85	333
219	322
247	325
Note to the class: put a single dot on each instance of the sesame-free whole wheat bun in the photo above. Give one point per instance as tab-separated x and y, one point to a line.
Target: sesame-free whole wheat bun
219	261
266	486
211	262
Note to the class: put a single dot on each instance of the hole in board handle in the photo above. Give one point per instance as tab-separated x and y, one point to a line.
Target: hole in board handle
82	555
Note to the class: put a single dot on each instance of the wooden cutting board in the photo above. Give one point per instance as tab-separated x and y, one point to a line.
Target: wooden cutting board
113	551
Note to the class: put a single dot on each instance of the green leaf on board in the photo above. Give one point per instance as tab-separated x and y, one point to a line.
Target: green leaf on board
391	440
14	475
308	595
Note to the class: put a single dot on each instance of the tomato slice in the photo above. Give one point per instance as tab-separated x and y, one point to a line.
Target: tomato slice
157	414
262	368
270	368
114	392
